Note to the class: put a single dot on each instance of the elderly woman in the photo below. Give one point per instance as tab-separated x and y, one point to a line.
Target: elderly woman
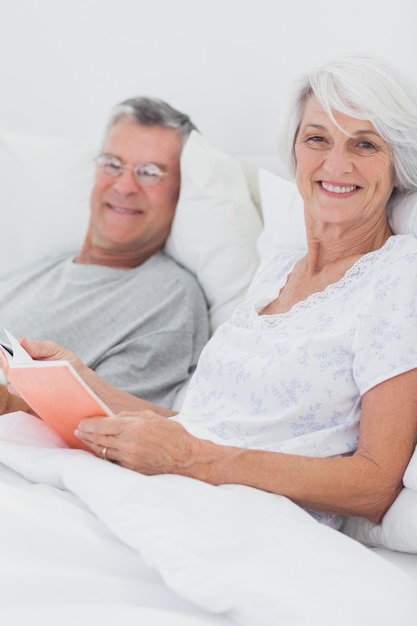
310	390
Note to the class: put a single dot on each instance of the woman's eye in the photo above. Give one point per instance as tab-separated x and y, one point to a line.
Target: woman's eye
366	145
317	141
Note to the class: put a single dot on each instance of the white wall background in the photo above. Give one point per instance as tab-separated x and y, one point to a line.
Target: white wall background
228	63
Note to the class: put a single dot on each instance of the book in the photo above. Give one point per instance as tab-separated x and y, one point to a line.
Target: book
53	389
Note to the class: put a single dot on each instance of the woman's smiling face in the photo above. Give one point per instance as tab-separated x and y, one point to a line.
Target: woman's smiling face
346	177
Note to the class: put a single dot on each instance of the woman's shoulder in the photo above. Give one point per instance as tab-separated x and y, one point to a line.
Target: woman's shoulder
397	264
400	248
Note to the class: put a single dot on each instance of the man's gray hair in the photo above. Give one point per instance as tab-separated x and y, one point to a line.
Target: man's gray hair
152	112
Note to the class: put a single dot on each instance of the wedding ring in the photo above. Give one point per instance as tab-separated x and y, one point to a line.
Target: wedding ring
104	453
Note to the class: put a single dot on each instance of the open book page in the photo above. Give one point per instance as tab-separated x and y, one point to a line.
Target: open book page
54	390
16	351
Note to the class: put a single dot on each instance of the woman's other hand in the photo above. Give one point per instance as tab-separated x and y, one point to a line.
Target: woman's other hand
147	443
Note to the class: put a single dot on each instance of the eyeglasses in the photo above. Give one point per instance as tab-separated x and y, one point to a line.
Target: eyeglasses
144	173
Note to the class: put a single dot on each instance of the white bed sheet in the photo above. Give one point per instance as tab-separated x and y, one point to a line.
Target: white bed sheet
60	564
405	561
83	540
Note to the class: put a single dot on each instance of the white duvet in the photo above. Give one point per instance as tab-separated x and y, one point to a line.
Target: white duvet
85	541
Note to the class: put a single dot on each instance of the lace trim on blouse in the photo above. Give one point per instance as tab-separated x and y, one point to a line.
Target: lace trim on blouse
358	269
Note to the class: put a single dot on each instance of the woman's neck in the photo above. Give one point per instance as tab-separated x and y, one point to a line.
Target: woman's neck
329	249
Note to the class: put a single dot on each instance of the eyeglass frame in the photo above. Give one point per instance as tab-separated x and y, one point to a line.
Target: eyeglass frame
122	167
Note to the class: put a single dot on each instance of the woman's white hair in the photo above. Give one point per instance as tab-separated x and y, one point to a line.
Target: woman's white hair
364	88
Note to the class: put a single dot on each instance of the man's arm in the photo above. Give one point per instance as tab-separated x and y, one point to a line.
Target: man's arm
10	402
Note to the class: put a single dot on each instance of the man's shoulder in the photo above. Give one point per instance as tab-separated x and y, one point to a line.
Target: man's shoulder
164	273
181	288
41	266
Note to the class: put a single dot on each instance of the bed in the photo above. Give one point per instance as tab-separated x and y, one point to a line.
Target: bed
84	541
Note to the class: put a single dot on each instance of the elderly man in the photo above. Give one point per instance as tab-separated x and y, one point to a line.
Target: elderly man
133	314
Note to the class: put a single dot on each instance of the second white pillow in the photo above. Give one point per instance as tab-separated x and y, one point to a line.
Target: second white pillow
216	226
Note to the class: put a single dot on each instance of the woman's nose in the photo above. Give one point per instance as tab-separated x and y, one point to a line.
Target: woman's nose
338	160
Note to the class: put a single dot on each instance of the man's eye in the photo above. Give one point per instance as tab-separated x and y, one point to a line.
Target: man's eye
113	165
149	169
110	164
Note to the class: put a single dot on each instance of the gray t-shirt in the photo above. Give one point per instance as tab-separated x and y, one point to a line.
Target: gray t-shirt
140	329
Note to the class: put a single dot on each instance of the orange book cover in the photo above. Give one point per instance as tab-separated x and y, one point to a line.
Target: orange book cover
53	389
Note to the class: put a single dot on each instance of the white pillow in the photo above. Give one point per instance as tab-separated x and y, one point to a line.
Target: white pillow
410	475
398	528
403	215
283	215
216	226
45	185
251	164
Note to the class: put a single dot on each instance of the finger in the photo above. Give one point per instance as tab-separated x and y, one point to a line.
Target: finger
104	451
95	442
98	426
40	349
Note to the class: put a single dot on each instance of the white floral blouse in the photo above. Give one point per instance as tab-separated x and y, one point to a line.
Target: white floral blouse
293	382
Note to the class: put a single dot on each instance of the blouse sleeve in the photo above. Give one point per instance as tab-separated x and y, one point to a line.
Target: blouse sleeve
385	342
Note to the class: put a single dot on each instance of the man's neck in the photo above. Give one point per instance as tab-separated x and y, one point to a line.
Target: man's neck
124	260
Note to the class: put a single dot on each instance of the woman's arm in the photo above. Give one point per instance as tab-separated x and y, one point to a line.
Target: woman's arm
113	397
364	484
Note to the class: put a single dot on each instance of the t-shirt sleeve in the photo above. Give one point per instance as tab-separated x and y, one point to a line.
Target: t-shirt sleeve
385	343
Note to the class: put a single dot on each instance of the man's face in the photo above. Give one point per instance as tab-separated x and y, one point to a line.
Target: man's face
127	216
